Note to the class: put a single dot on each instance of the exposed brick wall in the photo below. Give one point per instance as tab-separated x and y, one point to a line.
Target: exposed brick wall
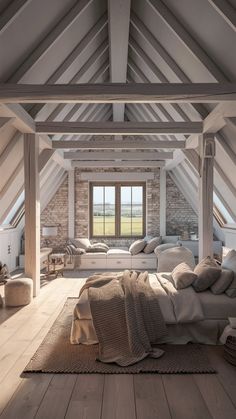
180	217
56	213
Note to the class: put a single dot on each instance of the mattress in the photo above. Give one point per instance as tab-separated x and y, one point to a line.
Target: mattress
216	309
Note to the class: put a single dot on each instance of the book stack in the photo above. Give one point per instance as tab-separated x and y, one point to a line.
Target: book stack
230	350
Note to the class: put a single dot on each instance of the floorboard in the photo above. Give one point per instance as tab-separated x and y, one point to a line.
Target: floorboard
97	396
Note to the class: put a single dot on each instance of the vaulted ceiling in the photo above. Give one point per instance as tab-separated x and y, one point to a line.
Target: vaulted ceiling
139	41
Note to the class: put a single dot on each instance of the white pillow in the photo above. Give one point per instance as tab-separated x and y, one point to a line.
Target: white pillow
137	246
81	242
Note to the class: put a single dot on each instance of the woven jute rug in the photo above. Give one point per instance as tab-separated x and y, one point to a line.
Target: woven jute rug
57	355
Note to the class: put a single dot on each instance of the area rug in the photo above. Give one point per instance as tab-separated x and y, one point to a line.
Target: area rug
57	355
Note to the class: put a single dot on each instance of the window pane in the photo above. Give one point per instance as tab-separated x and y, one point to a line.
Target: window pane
126	211
137	210
98	210
109	219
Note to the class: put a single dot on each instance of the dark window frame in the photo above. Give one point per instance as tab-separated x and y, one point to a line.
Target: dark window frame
117	186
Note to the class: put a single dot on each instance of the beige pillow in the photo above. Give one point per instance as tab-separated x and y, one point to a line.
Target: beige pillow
170	258
208	271
183	276
223	283
152	244
137	246
164	246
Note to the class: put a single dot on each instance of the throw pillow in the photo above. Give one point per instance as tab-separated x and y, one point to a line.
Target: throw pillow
231	291
223	283
170	258
101	245
163	247
137	246
208	271
82	243
229	261
96	248
72	250
152	244
183	276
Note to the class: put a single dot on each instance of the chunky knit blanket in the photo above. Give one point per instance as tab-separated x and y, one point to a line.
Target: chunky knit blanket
126	315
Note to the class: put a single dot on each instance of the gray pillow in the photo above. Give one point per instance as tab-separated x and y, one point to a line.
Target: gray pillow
81	242
163	247
229	261
183	276
170	258
152	244
224	281
231	291
208	271
137	246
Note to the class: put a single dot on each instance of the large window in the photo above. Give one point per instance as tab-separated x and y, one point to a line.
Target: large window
117	210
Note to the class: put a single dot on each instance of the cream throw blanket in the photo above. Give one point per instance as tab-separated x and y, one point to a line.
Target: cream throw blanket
126	316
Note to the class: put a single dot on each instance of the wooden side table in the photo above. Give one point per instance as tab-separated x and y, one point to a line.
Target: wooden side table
55	264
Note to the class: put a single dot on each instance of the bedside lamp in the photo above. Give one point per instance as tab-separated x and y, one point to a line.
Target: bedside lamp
49	231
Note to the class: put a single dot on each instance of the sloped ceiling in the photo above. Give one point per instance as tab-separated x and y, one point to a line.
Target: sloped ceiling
68	41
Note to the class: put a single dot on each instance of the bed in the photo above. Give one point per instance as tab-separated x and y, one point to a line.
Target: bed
189	316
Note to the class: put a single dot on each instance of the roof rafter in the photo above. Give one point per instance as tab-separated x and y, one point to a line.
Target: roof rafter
111	155
118	18
49	40
173	23
227	11
11	12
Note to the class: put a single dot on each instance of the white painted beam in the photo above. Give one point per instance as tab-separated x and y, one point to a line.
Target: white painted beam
205	224
123	145
111	155
119	128
117	164
11	12
71	203
162	202
32	210
226	10
49	40
214	122
21	119
118	93
178	158
193	46
118	23
5	122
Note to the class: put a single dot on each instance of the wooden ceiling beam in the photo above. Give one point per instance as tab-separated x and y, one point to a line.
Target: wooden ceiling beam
116	155
119	128
118	93
118	24
193	46
9	14
49	40
114	145
117	164
226	11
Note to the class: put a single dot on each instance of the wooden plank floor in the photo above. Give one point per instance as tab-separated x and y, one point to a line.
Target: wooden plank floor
93	396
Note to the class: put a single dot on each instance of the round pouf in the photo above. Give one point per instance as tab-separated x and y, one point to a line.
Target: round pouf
18	292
